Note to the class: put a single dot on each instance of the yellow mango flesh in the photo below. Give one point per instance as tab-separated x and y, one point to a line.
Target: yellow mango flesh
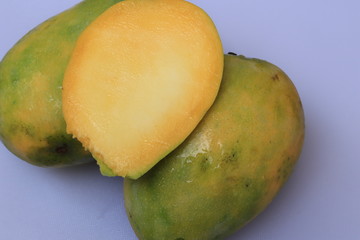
141	78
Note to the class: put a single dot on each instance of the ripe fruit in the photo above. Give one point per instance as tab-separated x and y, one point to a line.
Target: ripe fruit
141	77
233	164
31	74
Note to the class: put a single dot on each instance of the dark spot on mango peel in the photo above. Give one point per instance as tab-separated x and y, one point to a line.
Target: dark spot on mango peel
204	164
62	149
230	158
275	77
59	150
247	183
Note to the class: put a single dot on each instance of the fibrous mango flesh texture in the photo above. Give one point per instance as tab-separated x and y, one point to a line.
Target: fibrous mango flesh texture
232	165
32	125
141	78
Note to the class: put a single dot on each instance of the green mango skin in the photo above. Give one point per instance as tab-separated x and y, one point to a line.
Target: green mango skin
232	165
32	125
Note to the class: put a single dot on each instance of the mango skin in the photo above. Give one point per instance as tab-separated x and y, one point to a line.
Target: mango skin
231	166
32	125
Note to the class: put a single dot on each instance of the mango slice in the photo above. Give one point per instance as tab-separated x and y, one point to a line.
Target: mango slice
141	78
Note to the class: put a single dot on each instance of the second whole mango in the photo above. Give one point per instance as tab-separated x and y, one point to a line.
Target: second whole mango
233	164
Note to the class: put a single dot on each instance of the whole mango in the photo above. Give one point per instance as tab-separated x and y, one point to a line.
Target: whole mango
231	167
32	125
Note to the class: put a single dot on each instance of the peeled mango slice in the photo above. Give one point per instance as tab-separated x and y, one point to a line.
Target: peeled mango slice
233	164
141	78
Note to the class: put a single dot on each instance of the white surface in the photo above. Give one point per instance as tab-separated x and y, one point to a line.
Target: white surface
315	42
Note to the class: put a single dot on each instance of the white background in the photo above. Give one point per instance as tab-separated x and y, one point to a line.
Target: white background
315	42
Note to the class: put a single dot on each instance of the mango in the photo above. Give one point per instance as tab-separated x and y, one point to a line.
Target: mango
140	79
231	166
32	125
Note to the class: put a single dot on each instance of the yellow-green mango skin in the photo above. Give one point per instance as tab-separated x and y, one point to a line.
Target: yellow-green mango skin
32	125
231	166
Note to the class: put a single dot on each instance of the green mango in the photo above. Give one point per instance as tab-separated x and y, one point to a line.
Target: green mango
32	125
233	164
